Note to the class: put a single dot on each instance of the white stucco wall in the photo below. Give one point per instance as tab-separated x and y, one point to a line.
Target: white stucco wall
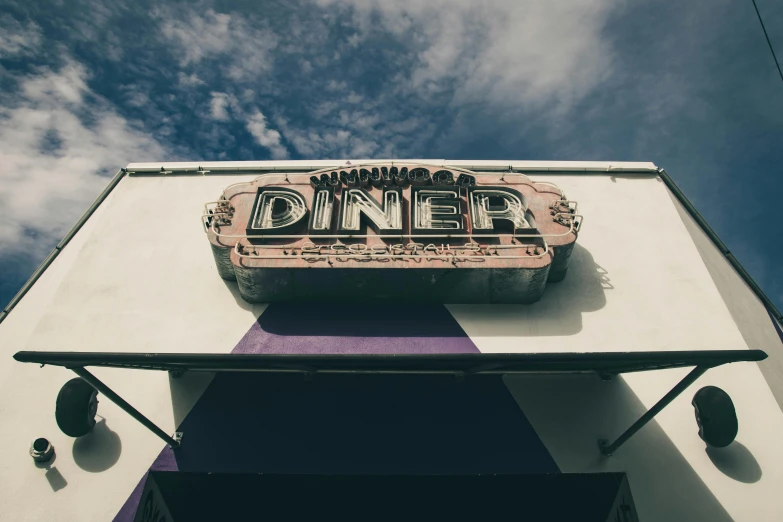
747	310
672	475
636	282
140	277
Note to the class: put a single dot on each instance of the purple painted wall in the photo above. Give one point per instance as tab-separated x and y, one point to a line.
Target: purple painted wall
354	423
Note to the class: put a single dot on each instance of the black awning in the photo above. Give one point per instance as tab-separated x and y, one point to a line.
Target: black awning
604	363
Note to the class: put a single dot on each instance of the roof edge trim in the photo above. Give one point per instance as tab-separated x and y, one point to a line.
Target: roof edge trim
202	168
768	304
57	249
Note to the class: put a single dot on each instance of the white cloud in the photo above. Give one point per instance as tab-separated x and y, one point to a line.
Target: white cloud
225	107
189	80
137	98
17	40
269	138
245	48
200	36
503	52
218	106
352	125
53	163
342	141
65	88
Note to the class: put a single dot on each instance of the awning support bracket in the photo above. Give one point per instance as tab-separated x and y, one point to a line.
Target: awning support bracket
609	449
93	381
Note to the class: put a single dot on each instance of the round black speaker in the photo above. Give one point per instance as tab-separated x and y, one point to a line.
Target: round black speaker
715	416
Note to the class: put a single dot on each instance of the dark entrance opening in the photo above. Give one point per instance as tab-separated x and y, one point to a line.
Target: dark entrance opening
178	496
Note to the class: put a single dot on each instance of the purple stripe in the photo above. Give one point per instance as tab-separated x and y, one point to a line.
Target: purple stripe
341	329
317	428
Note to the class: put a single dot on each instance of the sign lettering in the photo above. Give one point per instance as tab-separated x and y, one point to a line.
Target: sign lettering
434	209
504	234
360	208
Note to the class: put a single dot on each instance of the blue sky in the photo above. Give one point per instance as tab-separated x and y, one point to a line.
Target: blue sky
86	87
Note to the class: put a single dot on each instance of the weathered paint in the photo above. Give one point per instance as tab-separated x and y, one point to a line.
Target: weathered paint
478	277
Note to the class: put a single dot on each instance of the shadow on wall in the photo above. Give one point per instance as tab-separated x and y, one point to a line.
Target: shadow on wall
736	461
185	392
359	424
53	476
244	305
559	312
361	320
322	328
99	450
55	479
350	423
571	412
634	177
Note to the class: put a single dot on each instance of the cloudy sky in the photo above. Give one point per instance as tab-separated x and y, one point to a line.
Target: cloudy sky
87	87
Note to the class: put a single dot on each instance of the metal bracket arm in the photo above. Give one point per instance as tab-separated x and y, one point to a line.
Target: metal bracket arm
608	449
119	401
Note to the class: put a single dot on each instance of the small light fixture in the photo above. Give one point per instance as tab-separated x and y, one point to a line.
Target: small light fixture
41	450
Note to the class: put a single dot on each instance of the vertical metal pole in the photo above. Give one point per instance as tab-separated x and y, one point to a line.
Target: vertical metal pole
609	449
119	401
